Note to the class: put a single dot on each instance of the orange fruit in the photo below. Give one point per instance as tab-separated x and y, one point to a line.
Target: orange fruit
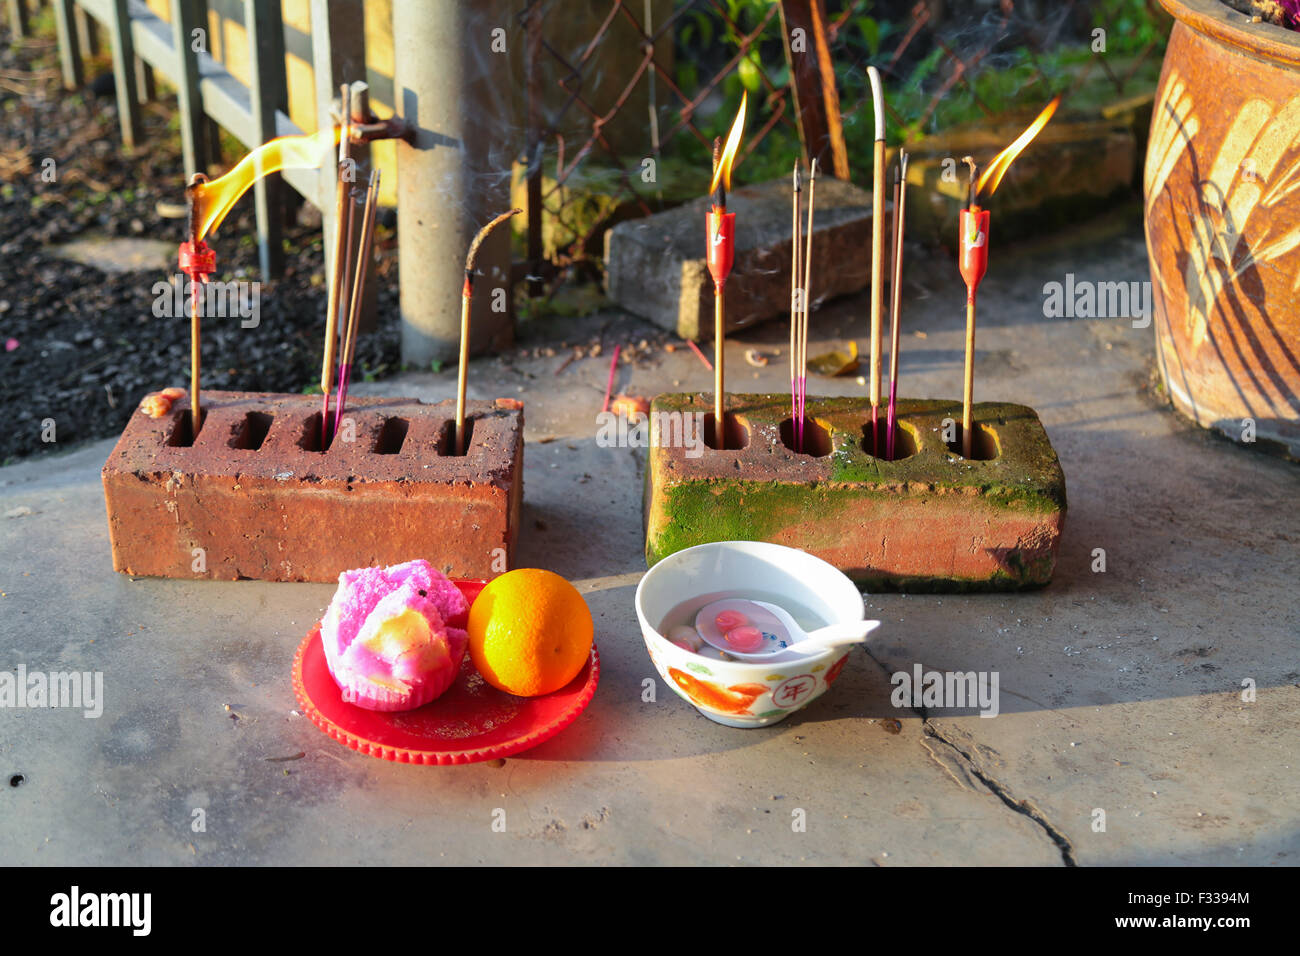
530	632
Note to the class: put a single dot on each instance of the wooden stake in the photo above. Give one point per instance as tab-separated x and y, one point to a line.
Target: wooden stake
466	298
877	248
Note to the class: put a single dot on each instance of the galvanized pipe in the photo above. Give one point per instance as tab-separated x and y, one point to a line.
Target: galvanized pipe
453	175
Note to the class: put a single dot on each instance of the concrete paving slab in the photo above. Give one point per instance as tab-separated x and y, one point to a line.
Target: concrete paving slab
1094	712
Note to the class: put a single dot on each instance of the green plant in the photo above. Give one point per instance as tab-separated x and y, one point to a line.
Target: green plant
1022	78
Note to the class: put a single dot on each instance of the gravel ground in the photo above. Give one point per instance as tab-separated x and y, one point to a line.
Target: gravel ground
88	345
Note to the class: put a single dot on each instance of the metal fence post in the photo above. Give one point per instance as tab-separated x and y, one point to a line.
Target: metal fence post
452	86
267	93
128	102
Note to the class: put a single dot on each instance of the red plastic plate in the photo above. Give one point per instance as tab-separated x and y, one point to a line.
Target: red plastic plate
472	721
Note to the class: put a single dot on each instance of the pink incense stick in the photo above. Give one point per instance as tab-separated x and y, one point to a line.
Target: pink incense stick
702	357
896	298
806	305
342	245
794	308
889	422
613	367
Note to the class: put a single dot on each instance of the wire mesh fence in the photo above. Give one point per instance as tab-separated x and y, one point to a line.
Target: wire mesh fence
803	64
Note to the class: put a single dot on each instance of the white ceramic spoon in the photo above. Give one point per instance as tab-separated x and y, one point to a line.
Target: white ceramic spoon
781	635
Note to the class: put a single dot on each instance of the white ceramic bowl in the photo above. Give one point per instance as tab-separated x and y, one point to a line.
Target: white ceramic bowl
737	693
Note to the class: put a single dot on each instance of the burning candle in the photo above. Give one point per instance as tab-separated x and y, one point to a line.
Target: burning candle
210	201
973	240
720	234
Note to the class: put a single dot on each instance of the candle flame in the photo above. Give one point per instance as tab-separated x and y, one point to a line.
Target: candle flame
216	198
993	174
723	172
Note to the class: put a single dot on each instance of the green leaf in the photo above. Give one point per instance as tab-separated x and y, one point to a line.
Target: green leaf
687	76
436	366
705	25
749	71
870	29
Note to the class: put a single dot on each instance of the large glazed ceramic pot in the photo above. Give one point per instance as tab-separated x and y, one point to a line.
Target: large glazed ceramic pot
1222	190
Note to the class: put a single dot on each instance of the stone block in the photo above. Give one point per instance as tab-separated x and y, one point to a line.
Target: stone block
656	268
929	520
1070	171
255	497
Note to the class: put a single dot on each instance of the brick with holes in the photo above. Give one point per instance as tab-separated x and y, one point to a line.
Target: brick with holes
255	497
927	521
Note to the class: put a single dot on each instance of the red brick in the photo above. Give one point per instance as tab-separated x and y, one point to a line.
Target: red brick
931	521
286	512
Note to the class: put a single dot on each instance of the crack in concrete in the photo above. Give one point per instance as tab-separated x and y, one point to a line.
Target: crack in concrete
969	766
1024	807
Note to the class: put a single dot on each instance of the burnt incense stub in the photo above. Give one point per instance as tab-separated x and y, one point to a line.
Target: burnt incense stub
928	521
255	496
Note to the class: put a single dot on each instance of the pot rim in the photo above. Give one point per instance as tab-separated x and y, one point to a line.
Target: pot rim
1221	22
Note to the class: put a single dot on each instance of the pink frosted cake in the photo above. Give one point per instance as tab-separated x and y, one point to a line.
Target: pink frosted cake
386	637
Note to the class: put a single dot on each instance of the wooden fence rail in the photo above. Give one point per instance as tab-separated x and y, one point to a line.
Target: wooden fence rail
208	93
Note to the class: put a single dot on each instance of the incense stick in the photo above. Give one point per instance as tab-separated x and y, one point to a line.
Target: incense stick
341	242
896	300
968	384
699	353
806	304
466	298
795	247
196	413
719	322
877	249
355	297
609	385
